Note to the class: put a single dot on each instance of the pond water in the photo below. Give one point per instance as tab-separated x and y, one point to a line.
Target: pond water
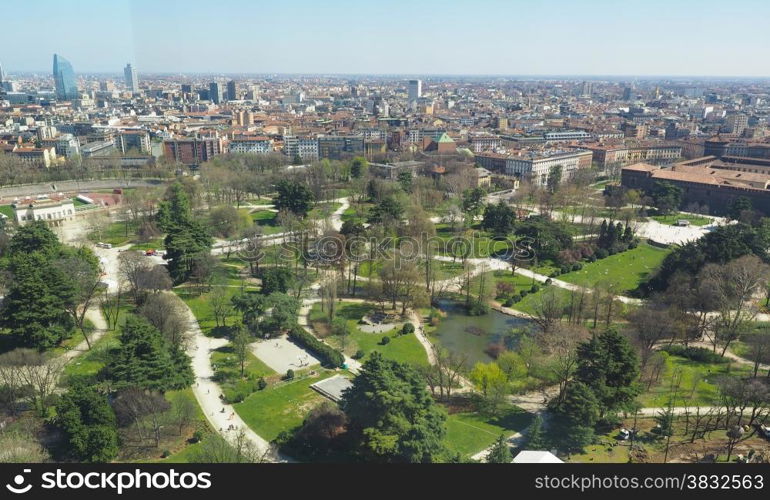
476	336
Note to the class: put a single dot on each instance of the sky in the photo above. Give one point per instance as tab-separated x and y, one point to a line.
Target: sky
404	37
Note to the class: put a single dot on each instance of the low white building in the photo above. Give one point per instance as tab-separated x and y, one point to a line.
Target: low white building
536	457
48	210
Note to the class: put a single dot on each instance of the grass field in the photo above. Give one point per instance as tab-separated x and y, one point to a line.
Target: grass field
8	211
280	407
266	219
626	270
695	220
481	243
697	385
403	348
470	433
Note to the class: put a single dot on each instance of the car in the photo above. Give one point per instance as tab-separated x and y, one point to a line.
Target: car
765	431
150	253
107	245
100	245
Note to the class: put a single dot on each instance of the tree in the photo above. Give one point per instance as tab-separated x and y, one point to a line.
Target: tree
392	418
294	197
536	434
31	376
35	308
145	359
131	266
358	167
493	384
88	424
217	450
226	221
167	313
500	452
554	178
499	219
609	367
241	340
738	206
405	180
666	196
141	410
84	271
578	411
276	279
472	202
221	305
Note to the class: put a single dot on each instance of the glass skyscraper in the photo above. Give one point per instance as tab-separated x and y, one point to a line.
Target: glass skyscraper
64	79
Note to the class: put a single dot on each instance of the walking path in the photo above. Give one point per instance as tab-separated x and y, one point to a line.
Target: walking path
222	417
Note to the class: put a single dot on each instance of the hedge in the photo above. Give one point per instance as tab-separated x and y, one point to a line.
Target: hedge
326	354
695	353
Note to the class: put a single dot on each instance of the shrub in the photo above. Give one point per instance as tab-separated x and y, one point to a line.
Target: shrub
478	309
509	302
166	454
534	288
289	374
577	266
385	340
548	281
602	253
555	273
592	258
326	354
359	354
516	299
262	384
523	293
633	244
565	269
197	436
407	329
699	354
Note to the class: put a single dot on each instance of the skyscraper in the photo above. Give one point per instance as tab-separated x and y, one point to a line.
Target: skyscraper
64	79
232	91
415	90
132	82
215	92
2	75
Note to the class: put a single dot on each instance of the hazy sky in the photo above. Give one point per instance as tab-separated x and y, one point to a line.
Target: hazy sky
510	37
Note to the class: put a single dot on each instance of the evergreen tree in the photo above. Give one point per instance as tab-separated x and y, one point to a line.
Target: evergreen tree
88	424
392	417
536	435
609	366
145	359
500	452
578	413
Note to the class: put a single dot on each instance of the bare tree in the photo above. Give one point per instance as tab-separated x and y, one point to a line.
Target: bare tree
167	313
39	373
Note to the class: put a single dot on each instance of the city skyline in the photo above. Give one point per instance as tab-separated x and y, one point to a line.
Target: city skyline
433	38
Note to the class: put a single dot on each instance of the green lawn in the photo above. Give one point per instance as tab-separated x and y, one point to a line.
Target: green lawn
116	233
695	220
470	433
8	211
626	270
403	348
280	407
266	219
697	386
482	244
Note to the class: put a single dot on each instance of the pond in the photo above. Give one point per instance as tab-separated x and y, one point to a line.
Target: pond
476	336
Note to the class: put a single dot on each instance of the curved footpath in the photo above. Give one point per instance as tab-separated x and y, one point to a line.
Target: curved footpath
221	416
